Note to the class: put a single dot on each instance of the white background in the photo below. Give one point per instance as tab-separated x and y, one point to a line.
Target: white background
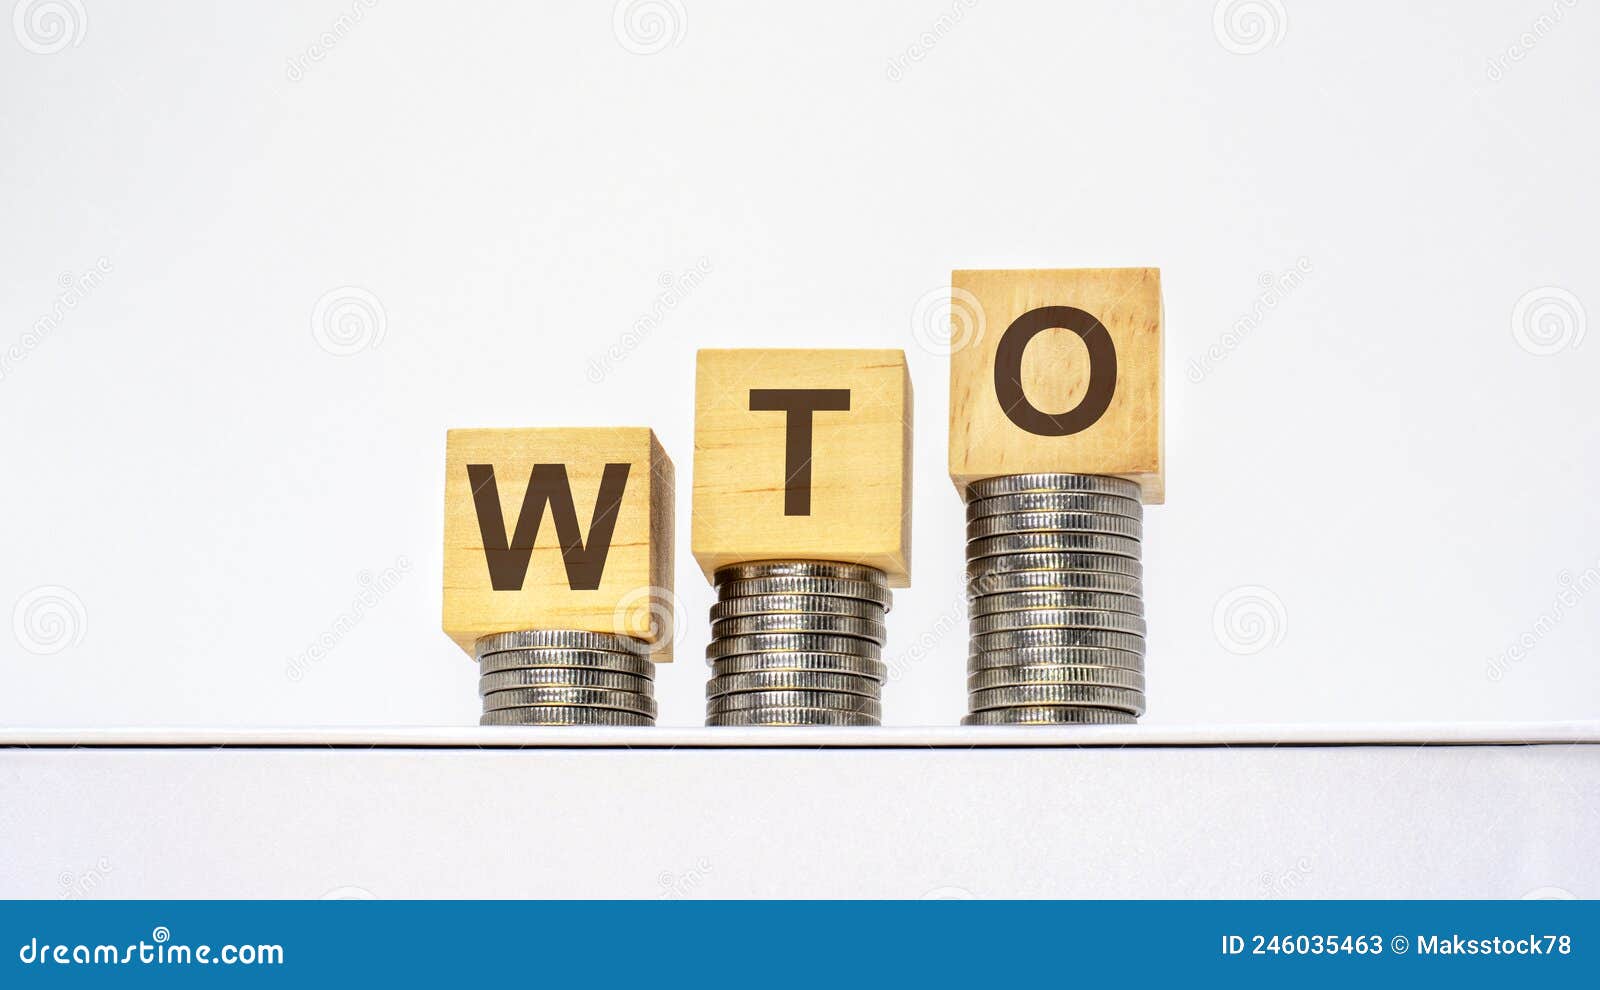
1389	464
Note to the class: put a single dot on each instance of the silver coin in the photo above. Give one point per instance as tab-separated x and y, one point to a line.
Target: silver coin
1059	562
828	700
799	568
1055	522
1027	543
1058	619
729	608
792	680
800	622
832	663
564	715
1031	695
837	587
542	697
1059	673
1058	715
560	639
620	663
1020	601
1114	505
608	680
793	643
1040	656
1020	639
1005	582
790	716
1012	484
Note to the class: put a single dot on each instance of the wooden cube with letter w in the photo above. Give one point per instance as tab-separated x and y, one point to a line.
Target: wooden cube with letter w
558	529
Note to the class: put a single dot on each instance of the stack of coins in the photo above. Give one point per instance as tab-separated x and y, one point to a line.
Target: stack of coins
565	677
1054	586
797	642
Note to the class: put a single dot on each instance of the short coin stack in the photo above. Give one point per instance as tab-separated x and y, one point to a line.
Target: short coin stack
797	642
565	677
1055	588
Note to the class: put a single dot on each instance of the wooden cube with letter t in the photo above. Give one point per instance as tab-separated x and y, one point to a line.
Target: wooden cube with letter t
804	455
1057	370
558	529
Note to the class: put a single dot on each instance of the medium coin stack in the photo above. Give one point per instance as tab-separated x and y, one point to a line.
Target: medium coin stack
1055	592
797	642
565	677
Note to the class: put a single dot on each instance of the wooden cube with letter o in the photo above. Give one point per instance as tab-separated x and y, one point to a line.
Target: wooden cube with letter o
565	528
1057	370
805	455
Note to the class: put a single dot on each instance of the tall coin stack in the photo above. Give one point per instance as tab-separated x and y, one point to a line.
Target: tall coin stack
565	677
797	642
1054	586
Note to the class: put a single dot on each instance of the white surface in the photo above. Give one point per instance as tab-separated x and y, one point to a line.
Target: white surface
509	181
1388	821
924	737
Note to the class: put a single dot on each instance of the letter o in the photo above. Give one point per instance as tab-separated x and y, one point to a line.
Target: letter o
1102	371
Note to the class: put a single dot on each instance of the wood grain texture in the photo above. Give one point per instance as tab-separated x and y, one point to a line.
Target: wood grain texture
634	593
860	466
1125	440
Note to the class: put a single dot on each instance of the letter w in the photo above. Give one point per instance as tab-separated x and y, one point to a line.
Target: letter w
547	484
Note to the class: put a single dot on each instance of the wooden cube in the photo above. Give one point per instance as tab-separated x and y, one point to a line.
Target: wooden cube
1057	370
803	454
558	529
